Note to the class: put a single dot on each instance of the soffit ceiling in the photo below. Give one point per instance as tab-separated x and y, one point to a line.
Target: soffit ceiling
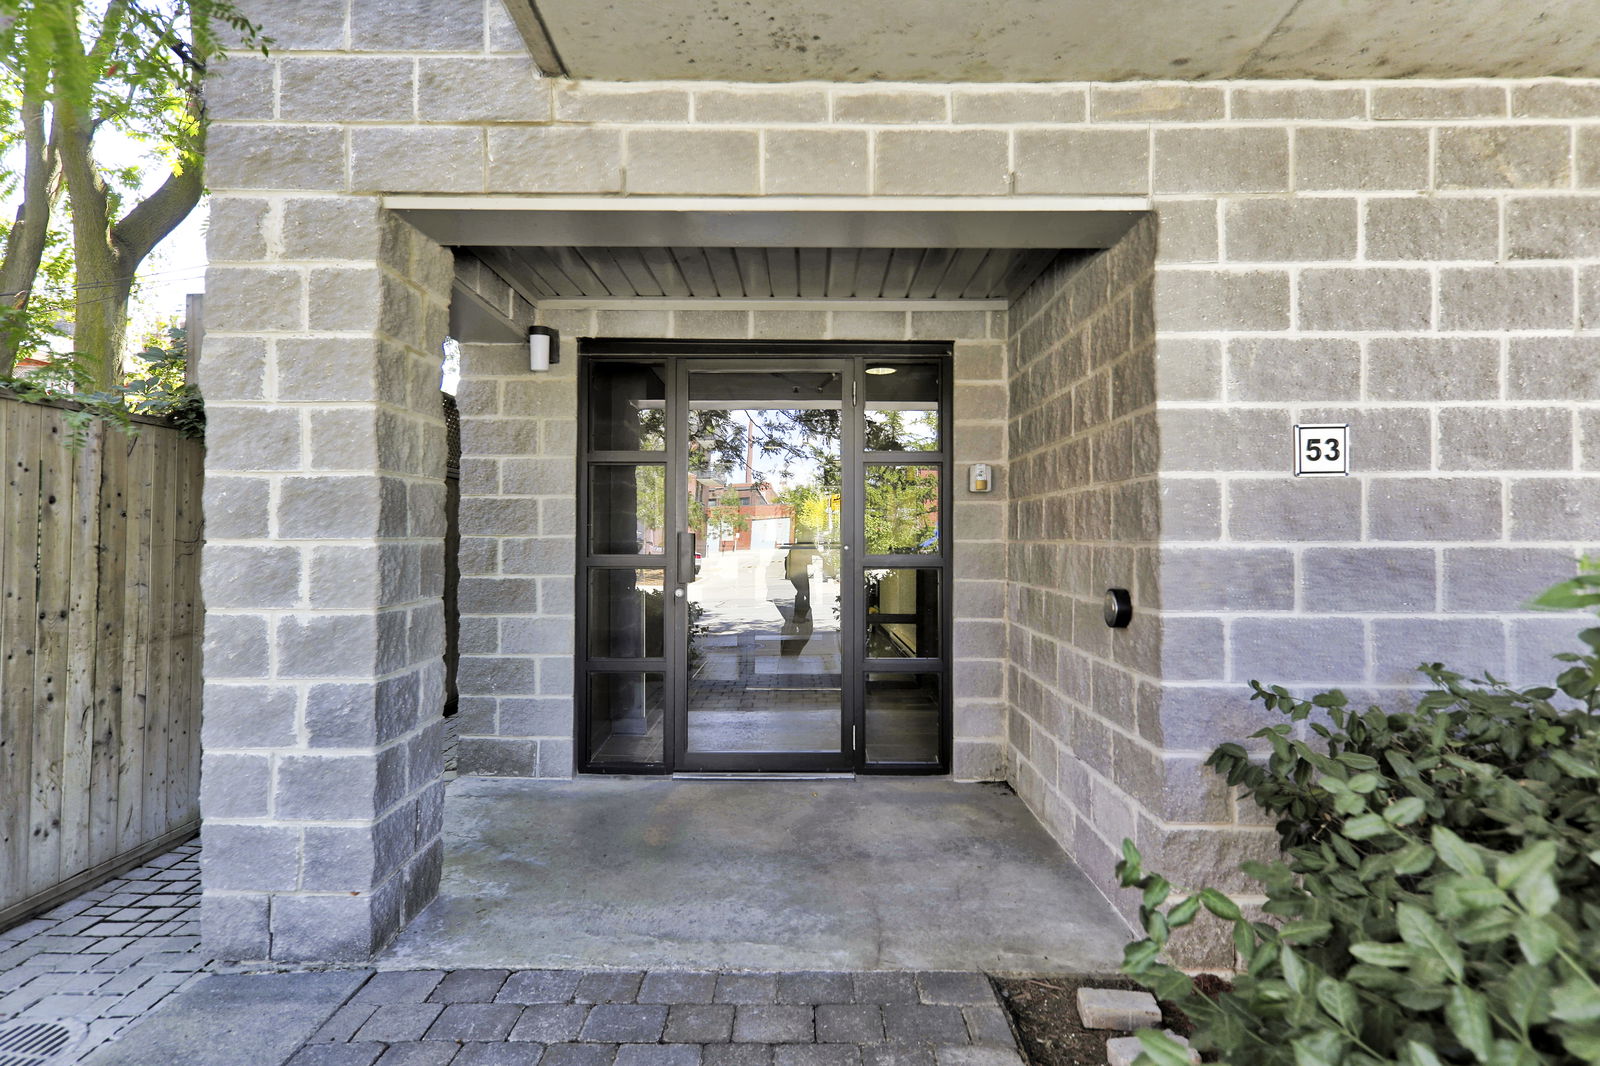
1058	40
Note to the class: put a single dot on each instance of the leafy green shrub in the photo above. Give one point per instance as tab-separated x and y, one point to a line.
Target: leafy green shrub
1440	898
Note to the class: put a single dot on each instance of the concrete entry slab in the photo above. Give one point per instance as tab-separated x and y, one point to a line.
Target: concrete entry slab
650	873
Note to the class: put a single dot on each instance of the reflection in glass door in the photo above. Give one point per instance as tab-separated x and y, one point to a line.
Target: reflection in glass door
765	603
764	555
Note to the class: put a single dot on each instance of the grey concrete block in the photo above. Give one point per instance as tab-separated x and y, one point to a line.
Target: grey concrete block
1321	102
1294	509
1221	439
1471	645
1188	369
1555	99
1535	640
246	716
1205	300
815	987
460	89
696	162
1074	161
917	1023
1434	509
1427	228
236	786
1384	438
977	105
1189	231
1433	368
1111	1008
1484	438
1328	158
552	159
954	987
234	927
817	162
1369	580
1553	227
603	103
336	507
1554	509
417	159
1499	298
746	988
941	163
1263	230
331	788
1318	651
277	156
1503	157
1372	298
1434	102
236	646
763	105
414	26
240	576
1553	368
494	757
344	89
880	106
249	858
1293	369
1221	160
1156	103
254	299
332	645
658	1055
399	1022
1229	579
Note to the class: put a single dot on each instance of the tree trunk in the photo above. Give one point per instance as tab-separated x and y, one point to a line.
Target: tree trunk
19	268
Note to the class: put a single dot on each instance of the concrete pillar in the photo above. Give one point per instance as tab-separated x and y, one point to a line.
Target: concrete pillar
323	574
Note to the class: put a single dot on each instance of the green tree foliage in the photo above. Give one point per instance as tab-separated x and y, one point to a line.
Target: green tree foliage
1439	902
69	71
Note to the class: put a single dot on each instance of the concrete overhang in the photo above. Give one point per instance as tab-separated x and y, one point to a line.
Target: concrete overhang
1057	40
982	249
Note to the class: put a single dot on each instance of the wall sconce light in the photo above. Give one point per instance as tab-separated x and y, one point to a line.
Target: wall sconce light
544	348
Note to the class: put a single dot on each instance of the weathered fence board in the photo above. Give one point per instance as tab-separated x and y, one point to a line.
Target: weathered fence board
99	650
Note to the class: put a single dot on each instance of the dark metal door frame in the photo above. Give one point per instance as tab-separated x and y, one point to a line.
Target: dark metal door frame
679	358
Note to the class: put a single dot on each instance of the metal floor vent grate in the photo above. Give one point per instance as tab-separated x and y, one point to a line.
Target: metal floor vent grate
34	1043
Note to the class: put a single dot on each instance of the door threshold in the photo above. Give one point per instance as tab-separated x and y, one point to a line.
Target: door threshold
738	775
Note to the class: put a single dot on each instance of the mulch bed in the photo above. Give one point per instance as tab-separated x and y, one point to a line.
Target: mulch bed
1044	1011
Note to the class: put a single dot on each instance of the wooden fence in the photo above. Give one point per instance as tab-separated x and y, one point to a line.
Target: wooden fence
99	650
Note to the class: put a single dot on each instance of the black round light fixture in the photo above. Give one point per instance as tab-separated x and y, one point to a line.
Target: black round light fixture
1118	608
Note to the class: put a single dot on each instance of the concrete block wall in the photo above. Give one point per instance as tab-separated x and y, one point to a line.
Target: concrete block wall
1419	259
322	573
518	548
1086	751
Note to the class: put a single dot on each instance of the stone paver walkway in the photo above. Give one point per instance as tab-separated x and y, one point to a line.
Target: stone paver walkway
665	1018
105	958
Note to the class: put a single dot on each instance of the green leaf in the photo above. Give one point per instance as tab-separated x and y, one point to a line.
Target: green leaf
1295	973
1340	1001
1162	1049
1404	811
1414	858
1305	929
1220	905
1468	1016
1455	852
1534	858
1325	1048
1418	929
1538	941
1575	1001
1391	955
1584	1043
1538	893
1415	1054
1184	912
1366	827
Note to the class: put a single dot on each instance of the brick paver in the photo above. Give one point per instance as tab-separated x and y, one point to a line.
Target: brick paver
109	956
672	1018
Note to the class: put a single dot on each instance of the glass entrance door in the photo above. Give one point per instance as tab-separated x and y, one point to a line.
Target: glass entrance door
763	558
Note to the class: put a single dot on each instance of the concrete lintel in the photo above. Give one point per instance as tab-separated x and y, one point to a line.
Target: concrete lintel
474	320
667	303
793	222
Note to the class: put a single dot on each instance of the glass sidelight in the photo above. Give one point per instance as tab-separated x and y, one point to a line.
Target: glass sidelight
764	557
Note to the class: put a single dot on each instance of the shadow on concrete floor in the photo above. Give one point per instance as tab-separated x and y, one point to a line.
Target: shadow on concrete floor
640	873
